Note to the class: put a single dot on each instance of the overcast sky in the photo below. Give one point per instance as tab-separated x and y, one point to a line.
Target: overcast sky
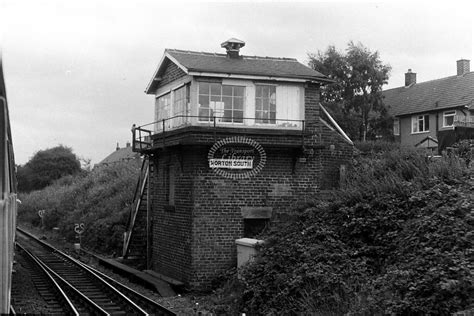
76	71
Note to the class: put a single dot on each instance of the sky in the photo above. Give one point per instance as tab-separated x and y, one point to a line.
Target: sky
76	71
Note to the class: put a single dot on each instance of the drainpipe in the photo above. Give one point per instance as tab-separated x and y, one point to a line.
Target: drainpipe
437	124
437	130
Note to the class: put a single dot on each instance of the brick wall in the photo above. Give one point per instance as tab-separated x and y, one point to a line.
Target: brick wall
171	73
195	240
171	226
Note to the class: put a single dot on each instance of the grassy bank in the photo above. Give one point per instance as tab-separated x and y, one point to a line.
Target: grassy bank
100	199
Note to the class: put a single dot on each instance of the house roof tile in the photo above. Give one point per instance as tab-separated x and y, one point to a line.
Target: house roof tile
121	154
444	93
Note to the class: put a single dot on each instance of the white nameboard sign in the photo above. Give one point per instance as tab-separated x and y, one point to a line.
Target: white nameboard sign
231	163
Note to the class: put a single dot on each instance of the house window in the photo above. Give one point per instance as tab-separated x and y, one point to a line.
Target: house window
225	102
448	118
265	104
420	123
396	126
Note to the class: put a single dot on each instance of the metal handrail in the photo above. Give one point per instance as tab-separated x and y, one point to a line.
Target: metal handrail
213	120
141	135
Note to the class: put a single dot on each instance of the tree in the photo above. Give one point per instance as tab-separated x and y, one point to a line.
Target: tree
355	99
46	166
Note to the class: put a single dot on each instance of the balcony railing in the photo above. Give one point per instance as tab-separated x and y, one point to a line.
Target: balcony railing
142	134
465	121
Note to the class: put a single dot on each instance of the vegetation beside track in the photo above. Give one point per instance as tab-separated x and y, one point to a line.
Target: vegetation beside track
99	198
396	240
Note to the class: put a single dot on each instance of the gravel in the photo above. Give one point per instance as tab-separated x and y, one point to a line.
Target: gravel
25	299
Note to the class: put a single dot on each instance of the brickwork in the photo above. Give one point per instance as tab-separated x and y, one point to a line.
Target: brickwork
171	226
171	73
195	239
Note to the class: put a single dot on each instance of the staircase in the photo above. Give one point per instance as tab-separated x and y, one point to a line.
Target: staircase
135	244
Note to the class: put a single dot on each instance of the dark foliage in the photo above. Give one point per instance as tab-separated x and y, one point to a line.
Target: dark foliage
401	245
355	99
45	167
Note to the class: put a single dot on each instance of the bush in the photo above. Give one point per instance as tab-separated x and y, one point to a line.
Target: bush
399	171
101	199
371	147
46	166
398	241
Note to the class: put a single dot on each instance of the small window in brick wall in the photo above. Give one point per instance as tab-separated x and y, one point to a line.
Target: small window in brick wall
254	226
169	184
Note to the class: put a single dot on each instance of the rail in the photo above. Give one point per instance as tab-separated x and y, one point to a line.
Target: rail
134	295
141	135
105	285
67	304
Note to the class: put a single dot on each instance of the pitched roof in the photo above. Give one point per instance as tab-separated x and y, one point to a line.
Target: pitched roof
444	93
121	154
194	63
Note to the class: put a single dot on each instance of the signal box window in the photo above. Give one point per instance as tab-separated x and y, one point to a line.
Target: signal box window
265	104
224	102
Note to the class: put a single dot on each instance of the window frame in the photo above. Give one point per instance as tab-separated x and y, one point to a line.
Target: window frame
452	113
160	109
219	111
171	121
180	99
268	119
425	118
396	126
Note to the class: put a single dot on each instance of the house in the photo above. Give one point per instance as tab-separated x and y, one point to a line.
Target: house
436	113
235	143
121	155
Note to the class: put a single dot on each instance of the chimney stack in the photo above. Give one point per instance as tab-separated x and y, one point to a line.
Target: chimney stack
463	66
410	78
118	147
233	47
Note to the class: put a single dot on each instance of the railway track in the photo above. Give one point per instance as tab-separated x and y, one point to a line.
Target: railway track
80	290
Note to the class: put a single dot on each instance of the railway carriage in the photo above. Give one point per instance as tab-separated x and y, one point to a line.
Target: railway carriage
8	201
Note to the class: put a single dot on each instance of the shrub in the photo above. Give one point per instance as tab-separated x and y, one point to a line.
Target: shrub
101	199
398	241
400	171
46	166
371	147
